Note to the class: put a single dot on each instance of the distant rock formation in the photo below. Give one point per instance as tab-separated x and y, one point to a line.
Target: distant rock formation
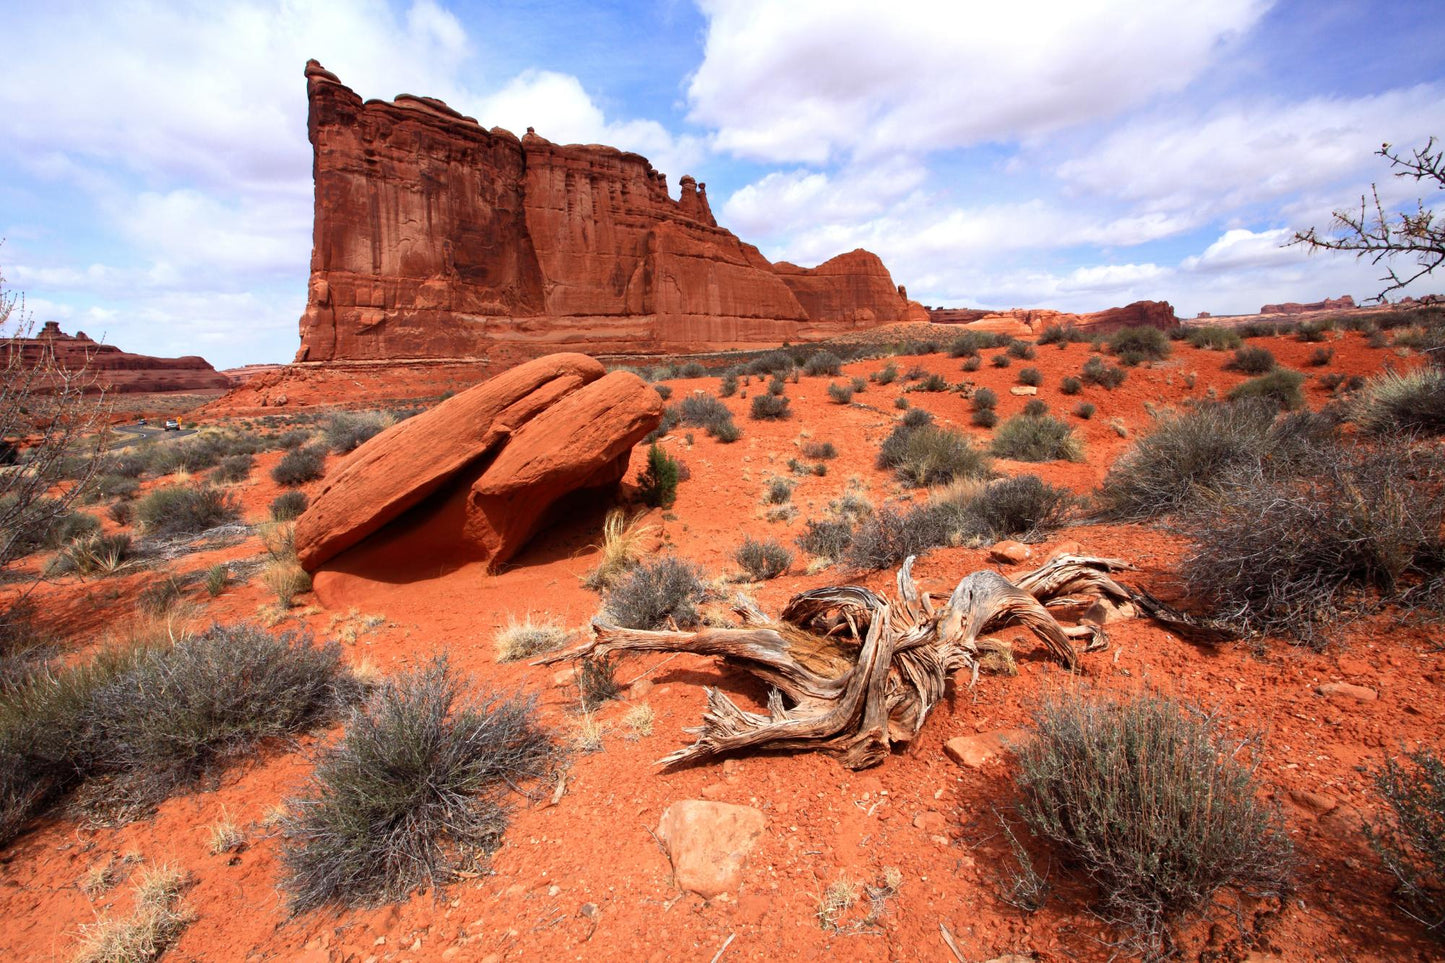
475	477
1029	321
437	238
114	369
1342	303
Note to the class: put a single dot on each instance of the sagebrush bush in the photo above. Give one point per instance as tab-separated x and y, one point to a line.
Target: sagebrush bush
823	363
762	559
983	418
651	594
1281	386
1251	360
840	393
888	537
1020	349
414	792
346	431
769	407
972	342
1097	372
729	385
885	375
930	455
1085	410
1070	386
1031	376
1158	806
1213	338
288	506
828	538
1142	343
819	449
1020	506
1061	335
971	363
1288	554
1035	408
703	411
1001	360
692	369
150	720
1411	841
299	466
1413	402
1320	357
1037	438
184	510
663	391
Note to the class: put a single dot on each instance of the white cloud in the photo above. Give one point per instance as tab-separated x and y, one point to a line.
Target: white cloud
807	80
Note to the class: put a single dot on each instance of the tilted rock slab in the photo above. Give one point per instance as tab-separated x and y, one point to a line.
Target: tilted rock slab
708	843
495	458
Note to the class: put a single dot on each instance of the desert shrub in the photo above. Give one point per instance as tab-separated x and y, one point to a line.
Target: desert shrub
885	375
1138	344
1251	360
823	363
1320	357
1289	554
670	418
150	720
726	432
1021	506
1084	410
1097	372
1213	338
1037	438
657	485
234	468
528	637
184	510
48	523
915	373
729	385
346	431
157	919
1263	329
287	579
888	537
288	506
131	463
777	386
778	491
840	393
703	411
691	369
932	455
1412	402
983	418
819	449
769	408
1331	381
216	578
413	793
919	347
901	403
1036	408
916	418
650	594
663	391
858	385
933	382
1156	803
299	466
1411	842
762	559
1281	386
1021	350
117	486
773	362
1031	376
1002	361
96	554
1070	386
828	538
1314	331
984	398
972	342
1061	334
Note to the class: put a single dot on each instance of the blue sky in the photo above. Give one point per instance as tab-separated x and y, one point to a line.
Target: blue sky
155	178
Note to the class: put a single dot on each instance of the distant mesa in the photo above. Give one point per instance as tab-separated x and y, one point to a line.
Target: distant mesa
114	369
1342	303
1030	321
437	238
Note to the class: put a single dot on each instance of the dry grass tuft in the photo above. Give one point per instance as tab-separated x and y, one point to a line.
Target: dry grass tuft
287	579
529	637
621	544
157	921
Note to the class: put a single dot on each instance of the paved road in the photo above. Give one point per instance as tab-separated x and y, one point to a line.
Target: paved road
144	432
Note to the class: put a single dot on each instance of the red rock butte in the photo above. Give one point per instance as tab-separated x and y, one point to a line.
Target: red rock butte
437	238
110	367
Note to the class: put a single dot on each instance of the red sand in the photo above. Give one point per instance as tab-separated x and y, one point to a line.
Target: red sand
595	846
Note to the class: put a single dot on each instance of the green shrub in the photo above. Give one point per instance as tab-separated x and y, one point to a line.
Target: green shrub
663	391
984	398
1413	402
299	466
769	408
1036	408
1281	386
414	792
1031	376
1070	386
1140	343
887	537
1021	350
1412	840
1021	506
777	386
729	385
885	375
658	483
1157	805
117	486
692	369
841	394
819	450
932	455
1096	372
983	418
823	363
288	506
704	411
1320	357
933	383
778	491
1314	331
1085	410
346	430
1251	360
829	538
1030	438
1213	338
1002	361
763	559
650	594
972	363
184	510
234	468
1061	335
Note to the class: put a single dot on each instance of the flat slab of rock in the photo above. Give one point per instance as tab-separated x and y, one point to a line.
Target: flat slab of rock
1023	390
1010	552
708	843
1103	611
1347	691
977	750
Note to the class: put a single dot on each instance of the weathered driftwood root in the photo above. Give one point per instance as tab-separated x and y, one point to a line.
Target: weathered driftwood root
853	672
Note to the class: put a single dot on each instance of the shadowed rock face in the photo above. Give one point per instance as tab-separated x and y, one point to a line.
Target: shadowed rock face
437	238
112	368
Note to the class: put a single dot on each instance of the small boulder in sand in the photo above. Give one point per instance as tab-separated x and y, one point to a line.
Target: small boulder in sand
708	843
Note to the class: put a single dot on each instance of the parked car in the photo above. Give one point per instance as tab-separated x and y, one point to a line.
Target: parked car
172	425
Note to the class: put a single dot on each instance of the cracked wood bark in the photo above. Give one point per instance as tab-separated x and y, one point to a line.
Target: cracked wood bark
856	673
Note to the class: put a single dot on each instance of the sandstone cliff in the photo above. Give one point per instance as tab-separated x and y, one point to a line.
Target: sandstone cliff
437	238
112	368
1343	303
1030	321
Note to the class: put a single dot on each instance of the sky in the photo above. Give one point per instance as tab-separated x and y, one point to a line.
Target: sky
155	177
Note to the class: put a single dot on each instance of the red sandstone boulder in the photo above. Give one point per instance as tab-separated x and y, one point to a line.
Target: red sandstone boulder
476	475
708	843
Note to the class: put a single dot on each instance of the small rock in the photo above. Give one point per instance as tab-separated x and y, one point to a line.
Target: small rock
1347	690
565	678
714	791
974	751
1312	802
708	842
1023	390
1066	548
640	688
280	401
1010	552
932	823
1105	610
